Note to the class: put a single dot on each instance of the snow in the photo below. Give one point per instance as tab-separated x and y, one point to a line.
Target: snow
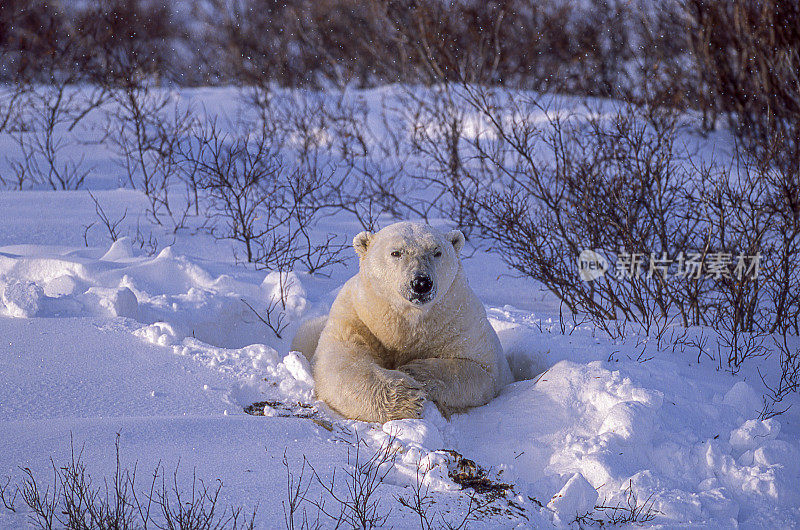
577	497
22	298
100	337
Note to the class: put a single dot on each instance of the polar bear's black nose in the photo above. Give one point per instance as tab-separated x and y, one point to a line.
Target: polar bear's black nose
421	284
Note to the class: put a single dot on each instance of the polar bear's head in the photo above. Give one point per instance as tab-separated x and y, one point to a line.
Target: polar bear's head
409	262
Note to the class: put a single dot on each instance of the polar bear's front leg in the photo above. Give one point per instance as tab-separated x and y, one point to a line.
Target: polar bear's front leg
353	384
454	384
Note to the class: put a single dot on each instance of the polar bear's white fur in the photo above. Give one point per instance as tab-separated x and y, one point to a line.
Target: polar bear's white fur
406	328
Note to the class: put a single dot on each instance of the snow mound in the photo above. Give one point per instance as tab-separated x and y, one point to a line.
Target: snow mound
576	498
743	398
753	433
285	286
120	250
415	444
168	288
581	426
418	432
160	333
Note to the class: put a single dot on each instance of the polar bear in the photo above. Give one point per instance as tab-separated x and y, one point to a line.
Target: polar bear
406	328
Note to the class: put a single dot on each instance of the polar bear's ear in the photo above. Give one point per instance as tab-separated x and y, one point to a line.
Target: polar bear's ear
457	239
361	242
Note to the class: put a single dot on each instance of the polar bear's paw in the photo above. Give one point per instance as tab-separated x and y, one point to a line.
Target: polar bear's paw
403	398
427	373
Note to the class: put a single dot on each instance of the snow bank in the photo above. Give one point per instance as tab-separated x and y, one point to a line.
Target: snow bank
167	288
629	437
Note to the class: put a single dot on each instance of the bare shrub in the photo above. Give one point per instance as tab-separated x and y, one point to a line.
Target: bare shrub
376	170
10	119
73	500
8	497
788	379
49	113
629	511
43	504
239	176
579	48
295	515
268	204
96	38
548	192
198	509
146	128
354	167
148	243
274	315
111	225
422	503
31	34
754	207
42	56
696	244
749	55
600	47
545	46
350	42
358	506
734	345
264	202
352	501
127	38
253	44
304	42
782	253
48	62
9	105
438	140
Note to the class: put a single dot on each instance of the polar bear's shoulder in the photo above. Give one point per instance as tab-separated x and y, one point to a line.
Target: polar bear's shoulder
344	322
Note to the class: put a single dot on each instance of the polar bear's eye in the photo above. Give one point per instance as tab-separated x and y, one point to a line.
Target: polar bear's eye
437	254
396	253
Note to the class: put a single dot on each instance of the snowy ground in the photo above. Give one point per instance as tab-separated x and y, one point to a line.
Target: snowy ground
99	339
